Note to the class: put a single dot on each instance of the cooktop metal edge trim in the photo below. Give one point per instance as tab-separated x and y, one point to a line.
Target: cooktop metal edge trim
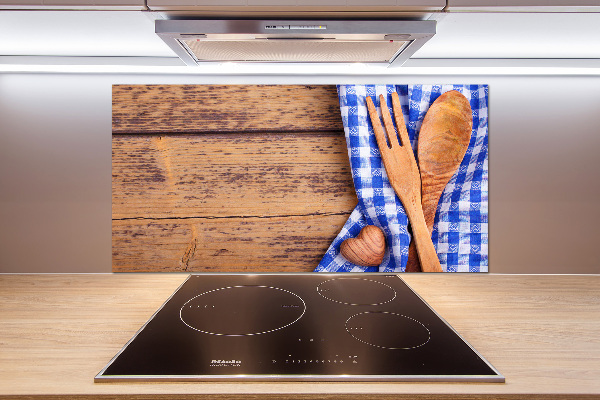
299	378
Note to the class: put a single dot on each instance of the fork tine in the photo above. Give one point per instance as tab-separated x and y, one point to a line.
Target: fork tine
397	108
389	125
377	128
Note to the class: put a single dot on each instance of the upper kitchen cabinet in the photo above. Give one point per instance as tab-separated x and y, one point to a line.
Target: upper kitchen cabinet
524	5
282	7
73	4
315	4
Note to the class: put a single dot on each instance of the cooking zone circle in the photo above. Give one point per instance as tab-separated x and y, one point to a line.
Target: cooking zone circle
242	310
356	291
388	330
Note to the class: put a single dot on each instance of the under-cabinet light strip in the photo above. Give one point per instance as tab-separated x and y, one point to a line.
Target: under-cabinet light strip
419	67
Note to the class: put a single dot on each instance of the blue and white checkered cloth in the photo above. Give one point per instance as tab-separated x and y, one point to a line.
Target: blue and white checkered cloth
460	230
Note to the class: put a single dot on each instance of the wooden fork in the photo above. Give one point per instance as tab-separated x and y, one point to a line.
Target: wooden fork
403	174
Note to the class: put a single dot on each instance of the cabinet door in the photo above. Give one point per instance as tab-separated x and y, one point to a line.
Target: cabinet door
300	5
524	5
74	4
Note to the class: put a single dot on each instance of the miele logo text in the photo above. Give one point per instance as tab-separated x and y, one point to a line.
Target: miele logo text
225	363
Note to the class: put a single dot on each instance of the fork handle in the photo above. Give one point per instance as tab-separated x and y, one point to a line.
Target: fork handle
422	238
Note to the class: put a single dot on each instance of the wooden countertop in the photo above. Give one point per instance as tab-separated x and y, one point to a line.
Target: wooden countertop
542	332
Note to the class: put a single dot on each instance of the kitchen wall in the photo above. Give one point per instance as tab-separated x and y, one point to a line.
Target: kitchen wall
55	167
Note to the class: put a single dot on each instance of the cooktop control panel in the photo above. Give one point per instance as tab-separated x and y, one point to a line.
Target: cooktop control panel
341	327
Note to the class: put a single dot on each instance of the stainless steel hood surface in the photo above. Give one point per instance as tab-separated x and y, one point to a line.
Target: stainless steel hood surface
389	42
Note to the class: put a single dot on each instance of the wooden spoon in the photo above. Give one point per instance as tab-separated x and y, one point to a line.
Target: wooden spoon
443	141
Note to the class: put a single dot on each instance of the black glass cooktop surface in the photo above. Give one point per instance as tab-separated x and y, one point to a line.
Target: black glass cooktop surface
344	327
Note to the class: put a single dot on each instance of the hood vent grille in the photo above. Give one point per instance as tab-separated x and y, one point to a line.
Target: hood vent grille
201	41
304	50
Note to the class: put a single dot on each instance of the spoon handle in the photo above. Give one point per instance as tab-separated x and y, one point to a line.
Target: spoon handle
413	264
430	198
424	246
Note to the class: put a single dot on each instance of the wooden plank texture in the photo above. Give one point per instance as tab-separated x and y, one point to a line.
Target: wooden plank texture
213	192
248	244
225	108
230	175
540	331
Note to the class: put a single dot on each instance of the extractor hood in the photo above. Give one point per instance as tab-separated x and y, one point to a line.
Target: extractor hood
389	42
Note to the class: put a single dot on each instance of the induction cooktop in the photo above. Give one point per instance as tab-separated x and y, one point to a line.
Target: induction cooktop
311	327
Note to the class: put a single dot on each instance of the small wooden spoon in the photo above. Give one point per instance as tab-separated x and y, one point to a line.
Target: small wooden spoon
443	141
